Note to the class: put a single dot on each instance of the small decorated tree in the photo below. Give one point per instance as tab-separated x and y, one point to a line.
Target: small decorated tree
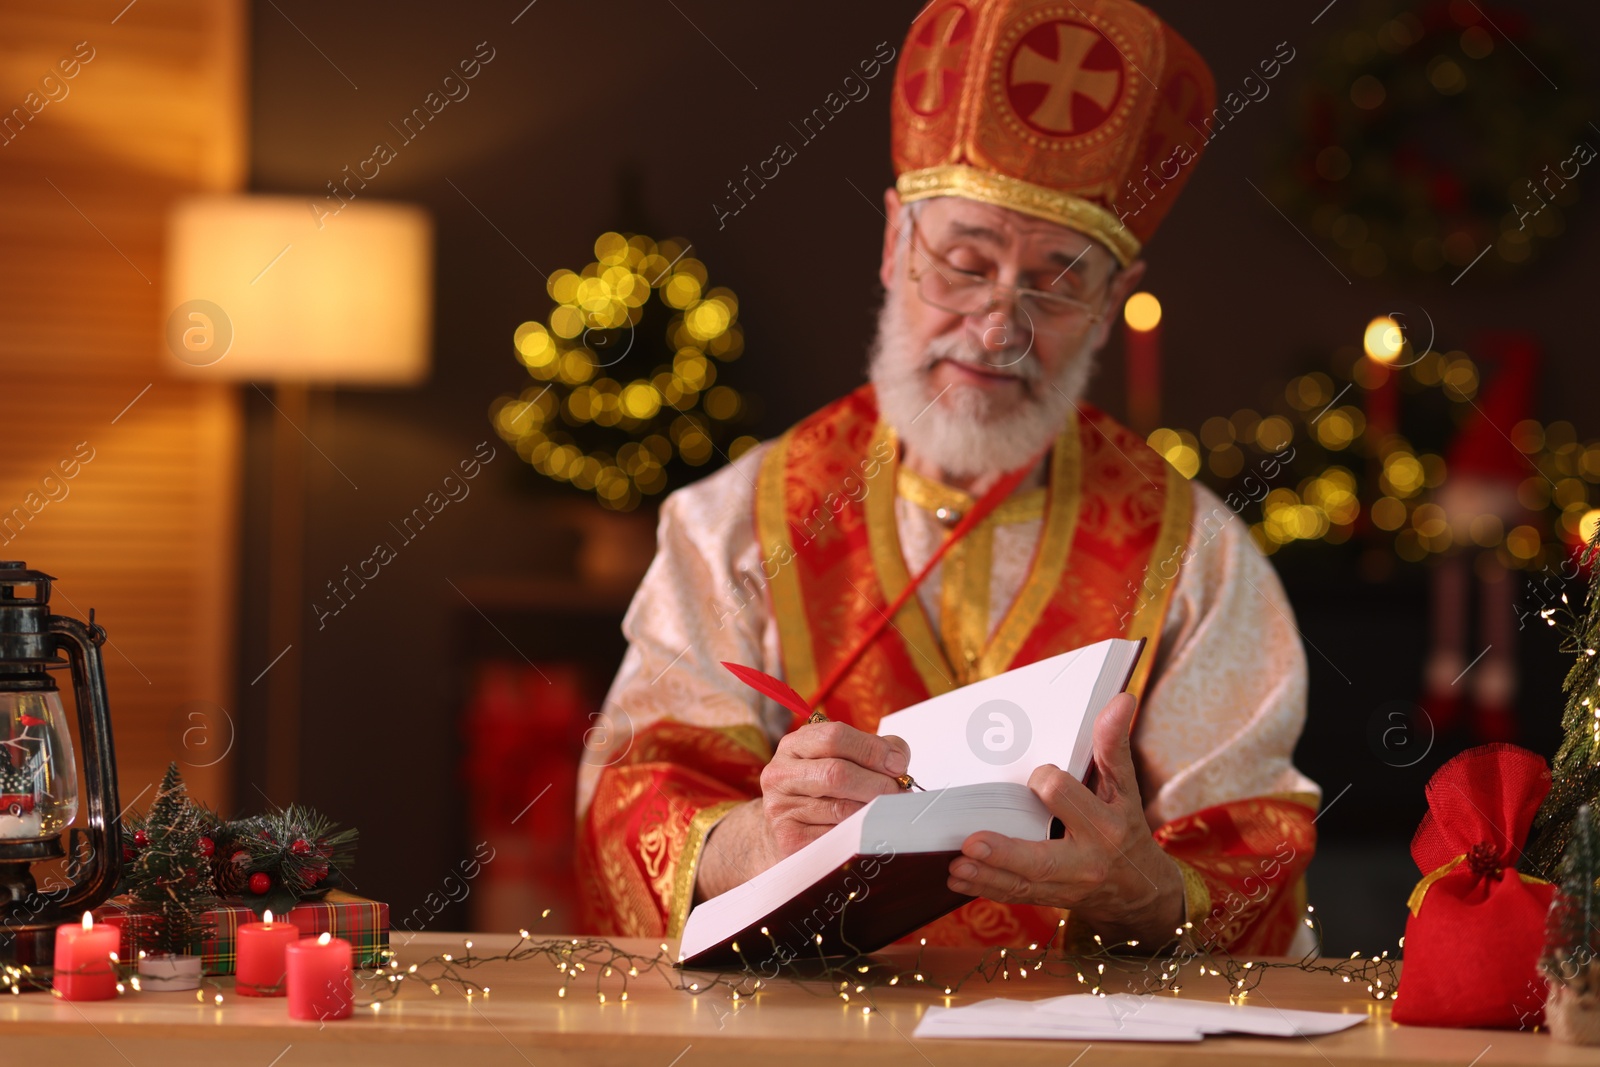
1572	938
169	880
1575	776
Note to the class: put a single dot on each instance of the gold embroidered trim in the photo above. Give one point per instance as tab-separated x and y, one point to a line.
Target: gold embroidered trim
777	559
1085	216
1050	560
689	860
953	578
965	576
889	561
1170	543
745	736
973	612
932	495
1309	800
1196	894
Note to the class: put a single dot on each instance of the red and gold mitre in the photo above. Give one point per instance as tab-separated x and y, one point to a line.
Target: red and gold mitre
1088	113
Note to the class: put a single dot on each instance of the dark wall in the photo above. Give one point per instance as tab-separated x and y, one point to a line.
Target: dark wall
635	115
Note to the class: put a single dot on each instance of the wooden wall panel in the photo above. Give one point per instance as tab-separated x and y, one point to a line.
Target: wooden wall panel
145	532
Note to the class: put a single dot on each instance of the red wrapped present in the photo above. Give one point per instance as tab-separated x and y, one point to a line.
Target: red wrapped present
1477	924
362	922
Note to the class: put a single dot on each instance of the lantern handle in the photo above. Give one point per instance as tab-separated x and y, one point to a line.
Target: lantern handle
82	644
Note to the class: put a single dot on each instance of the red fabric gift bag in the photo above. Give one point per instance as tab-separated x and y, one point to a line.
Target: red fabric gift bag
1477	925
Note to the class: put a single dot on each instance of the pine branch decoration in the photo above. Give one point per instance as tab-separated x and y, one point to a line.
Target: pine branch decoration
301	854
1575	775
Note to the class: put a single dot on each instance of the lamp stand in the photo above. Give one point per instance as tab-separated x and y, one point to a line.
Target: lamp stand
285	590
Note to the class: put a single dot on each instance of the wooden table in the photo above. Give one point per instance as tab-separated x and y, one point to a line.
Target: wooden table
523	1022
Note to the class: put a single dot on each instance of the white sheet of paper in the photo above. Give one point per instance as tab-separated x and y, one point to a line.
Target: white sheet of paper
1210	1016
1018	1019
1126	1017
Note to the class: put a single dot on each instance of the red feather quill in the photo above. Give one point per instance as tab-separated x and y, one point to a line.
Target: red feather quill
768	686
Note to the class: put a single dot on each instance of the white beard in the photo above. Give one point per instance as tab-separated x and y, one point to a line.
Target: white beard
959	430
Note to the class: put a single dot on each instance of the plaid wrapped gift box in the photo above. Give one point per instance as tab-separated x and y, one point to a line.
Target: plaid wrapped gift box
362	922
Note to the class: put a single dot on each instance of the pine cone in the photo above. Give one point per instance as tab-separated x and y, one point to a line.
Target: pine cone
230	872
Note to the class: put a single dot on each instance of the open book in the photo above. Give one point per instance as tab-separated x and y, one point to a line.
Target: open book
881	873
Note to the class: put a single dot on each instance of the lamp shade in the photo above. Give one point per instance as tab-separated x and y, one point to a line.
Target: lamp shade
263	288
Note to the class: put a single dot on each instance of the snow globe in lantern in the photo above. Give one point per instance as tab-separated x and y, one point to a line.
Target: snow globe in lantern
38	777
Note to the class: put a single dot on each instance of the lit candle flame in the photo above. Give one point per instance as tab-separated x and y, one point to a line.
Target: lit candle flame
267	915
88	921
1384	340
1142	312
324	937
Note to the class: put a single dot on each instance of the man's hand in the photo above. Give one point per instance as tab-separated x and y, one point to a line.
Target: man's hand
1108	868
820	775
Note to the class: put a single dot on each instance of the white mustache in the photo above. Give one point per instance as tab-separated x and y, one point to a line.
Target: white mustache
1011	361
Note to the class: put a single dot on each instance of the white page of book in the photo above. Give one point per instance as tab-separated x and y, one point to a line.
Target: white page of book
1000	729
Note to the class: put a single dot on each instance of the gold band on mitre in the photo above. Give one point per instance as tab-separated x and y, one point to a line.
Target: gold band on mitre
1052	205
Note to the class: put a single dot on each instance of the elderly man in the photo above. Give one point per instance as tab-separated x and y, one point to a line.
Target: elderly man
1037	146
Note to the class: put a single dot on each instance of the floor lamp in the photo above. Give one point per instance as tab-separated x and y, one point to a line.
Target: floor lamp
280	290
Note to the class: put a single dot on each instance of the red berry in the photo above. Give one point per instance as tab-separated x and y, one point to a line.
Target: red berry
127	852
301	847
260	882
207	846
140	838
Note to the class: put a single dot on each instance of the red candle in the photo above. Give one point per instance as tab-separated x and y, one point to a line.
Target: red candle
260	970
1384	342
1142	346
83	968
321	984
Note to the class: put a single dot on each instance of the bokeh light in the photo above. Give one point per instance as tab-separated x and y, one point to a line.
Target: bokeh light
609	429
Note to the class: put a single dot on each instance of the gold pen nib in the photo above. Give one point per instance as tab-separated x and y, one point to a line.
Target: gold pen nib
908	782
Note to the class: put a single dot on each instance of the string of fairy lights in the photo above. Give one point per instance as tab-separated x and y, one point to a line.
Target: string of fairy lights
611	409
600	968
1344	476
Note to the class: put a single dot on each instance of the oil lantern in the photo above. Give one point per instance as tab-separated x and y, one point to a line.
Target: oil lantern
39	788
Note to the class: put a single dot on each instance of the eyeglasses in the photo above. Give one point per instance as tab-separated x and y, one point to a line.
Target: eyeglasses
965	293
